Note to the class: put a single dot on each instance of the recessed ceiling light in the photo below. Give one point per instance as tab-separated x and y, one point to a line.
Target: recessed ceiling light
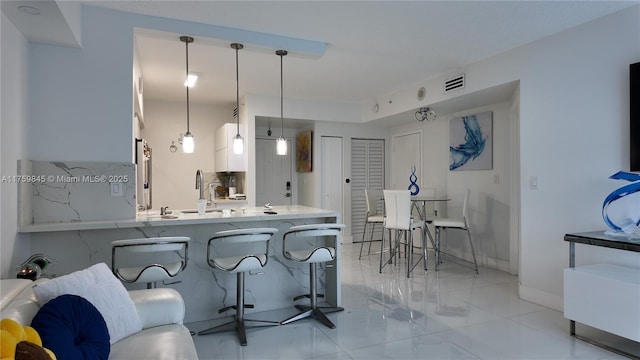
29	9
422	92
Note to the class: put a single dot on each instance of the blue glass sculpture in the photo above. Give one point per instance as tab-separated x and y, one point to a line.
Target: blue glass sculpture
628	225
413	187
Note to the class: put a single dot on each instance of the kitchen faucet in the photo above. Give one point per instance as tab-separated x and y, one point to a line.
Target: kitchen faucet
199	181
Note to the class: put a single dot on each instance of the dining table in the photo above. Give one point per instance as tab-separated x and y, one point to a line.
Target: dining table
419	202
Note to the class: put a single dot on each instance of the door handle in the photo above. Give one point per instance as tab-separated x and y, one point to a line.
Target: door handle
287	195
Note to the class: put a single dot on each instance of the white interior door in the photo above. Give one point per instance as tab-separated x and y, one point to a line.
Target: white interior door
367	171
406	152
331	165
273	174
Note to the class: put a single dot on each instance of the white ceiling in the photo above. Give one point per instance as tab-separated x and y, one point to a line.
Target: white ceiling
373	48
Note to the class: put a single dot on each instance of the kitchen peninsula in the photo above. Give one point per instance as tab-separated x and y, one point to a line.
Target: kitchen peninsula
78	244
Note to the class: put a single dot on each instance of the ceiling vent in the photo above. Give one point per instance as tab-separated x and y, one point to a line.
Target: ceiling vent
455	83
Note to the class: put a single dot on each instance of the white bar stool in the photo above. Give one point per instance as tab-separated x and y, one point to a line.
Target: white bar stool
240	264
163	249
312	256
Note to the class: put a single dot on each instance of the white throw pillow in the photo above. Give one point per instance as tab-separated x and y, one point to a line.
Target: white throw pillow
102	289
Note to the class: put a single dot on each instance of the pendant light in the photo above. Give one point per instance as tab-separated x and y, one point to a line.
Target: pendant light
281	142
238	143
187	140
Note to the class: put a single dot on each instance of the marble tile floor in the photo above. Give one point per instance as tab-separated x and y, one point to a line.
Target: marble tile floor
451	314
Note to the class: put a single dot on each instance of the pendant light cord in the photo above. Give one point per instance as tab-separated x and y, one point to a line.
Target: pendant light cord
237	94
187	58
281	142
187	139
281	53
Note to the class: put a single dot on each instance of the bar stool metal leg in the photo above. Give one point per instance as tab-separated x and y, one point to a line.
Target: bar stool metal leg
313	310
238	324
320	253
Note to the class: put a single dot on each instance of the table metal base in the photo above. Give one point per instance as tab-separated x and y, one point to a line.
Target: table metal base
572	325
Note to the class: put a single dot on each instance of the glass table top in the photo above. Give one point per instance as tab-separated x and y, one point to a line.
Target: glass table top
606	239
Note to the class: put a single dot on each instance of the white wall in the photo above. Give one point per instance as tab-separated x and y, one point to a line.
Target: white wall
347	132
574	122
574	134
331	114
574	111
14	72
136	75
174	174
489	204
325	120
76	94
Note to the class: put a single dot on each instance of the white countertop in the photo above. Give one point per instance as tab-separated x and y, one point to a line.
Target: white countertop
153	218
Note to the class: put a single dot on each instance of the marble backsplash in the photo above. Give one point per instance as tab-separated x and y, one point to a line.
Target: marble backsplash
57	191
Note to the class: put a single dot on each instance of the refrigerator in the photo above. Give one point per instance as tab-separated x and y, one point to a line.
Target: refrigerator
143	174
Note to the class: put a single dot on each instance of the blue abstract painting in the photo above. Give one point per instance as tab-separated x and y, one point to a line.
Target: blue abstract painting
471	143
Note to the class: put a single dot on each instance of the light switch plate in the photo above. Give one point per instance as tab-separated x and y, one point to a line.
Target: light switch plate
116	189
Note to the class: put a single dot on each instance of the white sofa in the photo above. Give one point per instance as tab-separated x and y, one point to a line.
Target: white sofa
161	311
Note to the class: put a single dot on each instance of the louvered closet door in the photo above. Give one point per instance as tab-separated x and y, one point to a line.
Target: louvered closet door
367	171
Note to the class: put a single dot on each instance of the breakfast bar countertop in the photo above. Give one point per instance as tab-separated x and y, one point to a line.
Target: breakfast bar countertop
77	245
177	217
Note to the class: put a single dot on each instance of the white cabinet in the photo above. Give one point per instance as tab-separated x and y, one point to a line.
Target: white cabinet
604	296
226	160
229	204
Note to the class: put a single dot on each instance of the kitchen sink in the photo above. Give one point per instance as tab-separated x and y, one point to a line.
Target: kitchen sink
156	216
195	211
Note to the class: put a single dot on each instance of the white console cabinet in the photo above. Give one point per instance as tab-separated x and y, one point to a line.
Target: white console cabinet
603	296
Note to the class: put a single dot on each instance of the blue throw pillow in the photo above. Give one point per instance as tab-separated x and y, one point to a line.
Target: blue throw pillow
72	328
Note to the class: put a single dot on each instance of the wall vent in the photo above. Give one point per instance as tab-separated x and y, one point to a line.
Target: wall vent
455	83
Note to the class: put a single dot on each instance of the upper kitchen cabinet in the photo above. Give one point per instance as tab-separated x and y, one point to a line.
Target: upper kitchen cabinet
226	160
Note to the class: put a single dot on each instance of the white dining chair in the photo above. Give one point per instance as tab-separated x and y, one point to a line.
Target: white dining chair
398	219
372	217
455	223
426	210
